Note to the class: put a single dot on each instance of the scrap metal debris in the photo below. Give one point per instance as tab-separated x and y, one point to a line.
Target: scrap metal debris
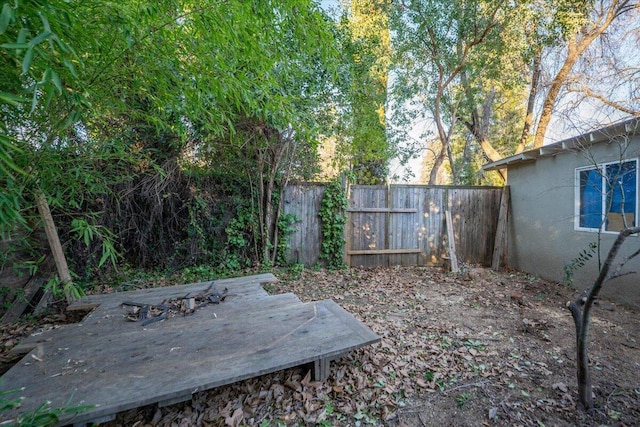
185	305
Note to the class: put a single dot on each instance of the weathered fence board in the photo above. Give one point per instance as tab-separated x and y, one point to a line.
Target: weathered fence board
432	229
402	224
367	229
303	201
475	219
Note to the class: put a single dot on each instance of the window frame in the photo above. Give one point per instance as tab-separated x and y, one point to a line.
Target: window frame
603	170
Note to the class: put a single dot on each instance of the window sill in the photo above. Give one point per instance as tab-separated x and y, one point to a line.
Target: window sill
595	230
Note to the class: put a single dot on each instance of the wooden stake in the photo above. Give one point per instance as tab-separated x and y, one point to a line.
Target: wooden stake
52	237
452	243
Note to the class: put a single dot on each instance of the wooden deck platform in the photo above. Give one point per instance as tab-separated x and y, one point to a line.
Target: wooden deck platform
118	365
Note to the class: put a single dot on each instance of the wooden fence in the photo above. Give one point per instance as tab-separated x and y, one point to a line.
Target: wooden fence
400	224
303	200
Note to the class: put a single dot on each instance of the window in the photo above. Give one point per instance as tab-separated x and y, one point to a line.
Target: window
607	196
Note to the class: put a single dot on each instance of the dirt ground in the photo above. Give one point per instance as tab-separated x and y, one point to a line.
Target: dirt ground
477	348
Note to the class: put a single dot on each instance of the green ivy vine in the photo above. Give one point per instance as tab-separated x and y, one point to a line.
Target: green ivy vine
333	218
577	263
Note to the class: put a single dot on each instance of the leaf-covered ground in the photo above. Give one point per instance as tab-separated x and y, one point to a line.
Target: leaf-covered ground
479	348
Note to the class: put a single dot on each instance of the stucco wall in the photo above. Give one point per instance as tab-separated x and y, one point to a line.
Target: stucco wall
542	238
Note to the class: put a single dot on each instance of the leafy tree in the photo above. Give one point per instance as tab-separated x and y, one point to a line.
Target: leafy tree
567	26
495	95
40	93
435	41
274	134
369	54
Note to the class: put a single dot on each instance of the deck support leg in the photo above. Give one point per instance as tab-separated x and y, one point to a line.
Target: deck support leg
321	369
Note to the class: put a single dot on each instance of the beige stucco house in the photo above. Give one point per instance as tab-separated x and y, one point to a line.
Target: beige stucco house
570	195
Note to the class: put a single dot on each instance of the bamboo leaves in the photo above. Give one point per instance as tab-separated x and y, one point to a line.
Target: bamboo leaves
6	16
100	94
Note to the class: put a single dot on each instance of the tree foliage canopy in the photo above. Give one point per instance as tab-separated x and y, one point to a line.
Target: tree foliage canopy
491	75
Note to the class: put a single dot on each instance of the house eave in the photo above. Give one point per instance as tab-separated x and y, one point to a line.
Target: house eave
631	127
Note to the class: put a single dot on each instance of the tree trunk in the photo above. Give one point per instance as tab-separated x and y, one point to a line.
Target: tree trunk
581	312
445	151
479	126
552	96
267	223
439	161
585	393
533	91
261	205
580	41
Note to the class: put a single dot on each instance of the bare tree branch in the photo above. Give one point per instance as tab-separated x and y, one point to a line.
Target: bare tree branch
591	94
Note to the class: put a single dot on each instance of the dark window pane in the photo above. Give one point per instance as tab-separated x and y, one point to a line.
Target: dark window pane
621	194
590	198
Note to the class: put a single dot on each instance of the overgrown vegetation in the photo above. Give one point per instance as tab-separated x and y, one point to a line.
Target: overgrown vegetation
160	145
165	145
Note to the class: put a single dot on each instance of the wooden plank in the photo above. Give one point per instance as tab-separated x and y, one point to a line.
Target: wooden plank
366	334
387	221
452	244
385	251
395	230
173	401
321	369
383	210
104	322
434	220
20	303
368	228
348	227
237	285
501	233
303	201
409	235
125	370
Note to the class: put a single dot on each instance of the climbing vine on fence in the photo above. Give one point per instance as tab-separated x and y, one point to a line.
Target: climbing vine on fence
333	217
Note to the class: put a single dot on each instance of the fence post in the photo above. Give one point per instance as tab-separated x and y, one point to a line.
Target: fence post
499	247
346	232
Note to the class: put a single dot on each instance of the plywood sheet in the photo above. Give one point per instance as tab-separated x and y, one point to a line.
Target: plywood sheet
122	365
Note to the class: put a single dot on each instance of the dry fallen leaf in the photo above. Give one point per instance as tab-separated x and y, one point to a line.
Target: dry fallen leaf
235	419
560	386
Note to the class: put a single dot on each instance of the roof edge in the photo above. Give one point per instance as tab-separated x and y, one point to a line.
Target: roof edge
629	126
